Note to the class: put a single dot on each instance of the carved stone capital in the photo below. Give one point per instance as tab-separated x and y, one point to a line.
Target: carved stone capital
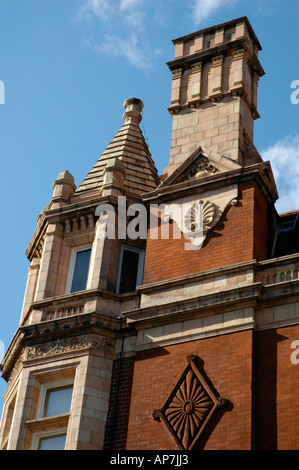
177	73
240	54
196	67
217	61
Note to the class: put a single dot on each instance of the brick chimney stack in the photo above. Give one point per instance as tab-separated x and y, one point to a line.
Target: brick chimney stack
215	77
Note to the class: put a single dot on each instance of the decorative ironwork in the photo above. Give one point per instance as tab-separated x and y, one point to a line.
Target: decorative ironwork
189	407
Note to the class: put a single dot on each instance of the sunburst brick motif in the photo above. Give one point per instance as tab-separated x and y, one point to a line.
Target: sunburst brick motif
189	407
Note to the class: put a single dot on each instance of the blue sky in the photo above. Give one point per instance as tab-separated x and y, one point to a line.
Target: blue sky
68	66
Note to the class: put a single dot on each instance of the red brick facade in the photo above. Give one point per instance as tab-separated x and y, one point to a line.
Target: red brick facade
228	365
252	370
240	236
277	382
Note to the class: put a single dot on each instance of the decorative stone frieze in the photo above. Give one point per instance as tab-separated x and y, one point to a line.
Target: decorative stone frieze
66	345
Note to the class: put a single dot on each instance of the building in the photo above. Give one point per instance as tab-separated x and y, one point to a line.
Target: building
183	339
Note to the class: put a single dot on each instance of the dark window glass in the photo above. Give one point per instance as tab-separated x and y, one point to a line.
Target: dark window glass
129	271
81	270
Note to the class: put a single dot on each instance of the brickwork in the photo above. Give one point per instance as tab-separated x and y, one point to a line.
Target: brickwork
227	364
167	259
119	404
260	226
277	384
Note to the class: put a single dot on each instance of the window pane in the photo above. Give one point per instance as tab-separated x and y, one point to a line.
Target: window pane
129	270
58	401
81	270
52	443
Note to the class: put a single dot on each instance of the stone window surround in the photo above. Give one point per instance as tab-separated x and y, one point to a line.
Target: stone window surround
48	426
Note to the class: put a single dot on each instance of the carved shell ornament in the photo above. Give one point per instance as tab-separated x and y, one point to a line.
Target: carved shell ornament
196	217
194	220
200	216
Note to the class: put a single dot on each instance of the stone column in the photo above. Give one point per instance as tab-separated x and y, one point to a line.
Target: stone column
196	82
217	76
239	60
176	87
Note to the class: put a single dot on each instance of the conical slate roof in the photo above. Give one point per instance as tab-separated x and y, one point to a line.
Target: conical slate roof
130	147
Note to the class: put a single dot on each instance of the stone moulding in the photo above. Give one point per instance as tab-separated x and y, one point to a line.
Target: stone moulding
189	407
61	346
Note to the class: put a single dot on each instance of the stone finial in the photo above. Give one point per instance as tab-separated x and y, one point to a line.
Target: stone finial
63	188
133	107
65	177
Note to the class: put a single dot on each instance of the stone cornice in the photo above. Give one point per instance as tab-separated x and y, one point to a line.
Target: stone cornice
242	19
61	214
59	330
251	295
80	297
222	49
149	288
281	260
260	172
235	268
195	307
36	237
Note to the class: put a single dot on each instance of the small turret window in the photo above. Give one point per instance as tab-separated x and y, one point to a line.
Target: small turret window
79	269
130	269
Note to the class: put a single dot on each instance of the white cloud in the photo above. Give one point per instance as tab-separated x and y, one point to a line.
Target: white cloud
128	48
106	9
98	8
127	4
202	9
284	159
135	20
134	16
128	18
